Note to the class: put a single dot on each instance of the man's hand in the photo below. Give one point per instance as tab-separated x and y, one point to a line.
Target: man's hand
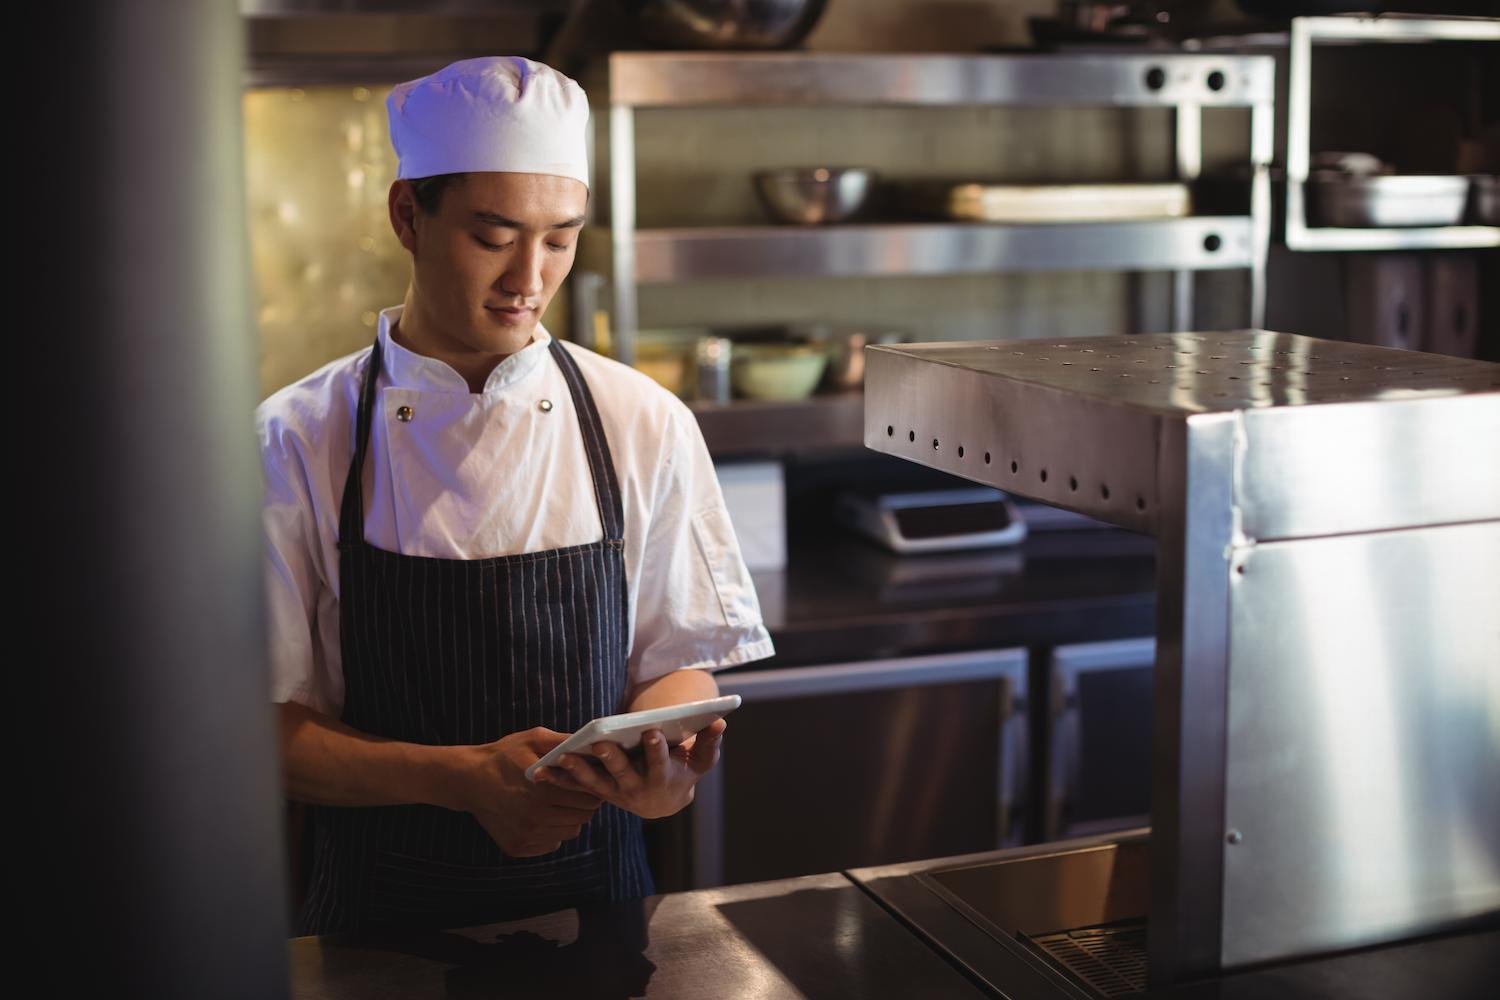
525	818
328	763
658	783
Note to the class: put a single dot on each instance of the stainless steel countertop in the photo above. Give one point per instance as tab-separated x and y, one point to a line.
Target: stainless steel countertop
820	937
817	937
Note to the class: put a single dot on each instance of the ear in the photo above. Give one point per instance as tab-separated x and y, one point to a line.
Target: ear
402	202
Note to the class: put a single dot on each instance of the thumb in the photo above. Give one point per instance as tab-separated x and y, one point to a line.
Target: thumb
543	739
706	747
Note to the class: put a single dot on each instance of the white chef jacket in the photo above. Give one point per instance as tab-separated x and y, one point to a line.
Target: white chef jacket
471	476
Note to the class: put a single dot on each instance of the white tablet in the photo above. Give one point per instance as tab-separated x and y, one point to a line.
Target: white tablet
676	722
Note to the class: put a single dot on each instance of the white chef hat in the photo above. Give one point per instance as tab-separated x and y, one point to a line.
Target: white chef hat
497	113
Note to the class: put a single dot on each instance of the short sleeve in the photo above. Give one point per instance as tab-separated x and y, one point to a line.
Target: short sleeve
696	604
293	585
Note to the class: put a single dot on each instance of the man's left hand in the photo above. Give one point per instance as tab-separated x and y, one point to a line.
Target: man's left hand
658	783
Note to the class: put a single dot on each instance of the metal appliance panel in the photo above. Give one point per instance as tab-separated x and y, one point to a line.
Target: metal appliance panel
871	800
1455	966
1064	890
1363	775
655	79
1080	423
1369	466
942	248
974	908
1190	705
1100	741
1021	436
1199	439
1214	372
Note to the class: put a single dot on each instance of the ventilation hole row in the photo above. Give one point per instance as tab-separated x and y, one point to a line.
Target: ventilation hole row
1015	466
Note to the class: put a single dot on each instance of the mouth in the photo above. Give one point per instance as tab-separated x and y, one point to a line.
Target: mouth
510	314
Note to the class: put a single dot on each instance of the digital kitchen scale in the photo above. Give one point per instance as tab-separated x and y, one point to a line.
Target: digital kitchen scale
935	520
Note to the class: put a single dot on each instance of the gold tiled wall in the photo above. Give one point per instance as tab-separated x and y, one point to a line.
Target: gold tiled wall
318	166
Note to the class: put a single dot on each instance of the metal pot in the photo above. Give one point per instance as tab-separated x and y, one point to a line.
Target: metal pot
726	24
813	195
846	350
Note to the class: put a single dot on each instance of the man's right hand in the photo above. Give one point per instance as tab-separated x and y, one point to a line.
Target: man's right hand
328	763
525	818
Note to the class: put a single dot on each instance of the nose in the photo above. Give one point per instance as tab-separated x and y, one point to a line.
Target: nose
522	276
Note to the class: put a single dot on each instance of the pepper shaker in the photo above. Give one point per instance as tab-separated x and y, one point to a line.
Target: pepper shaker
712	356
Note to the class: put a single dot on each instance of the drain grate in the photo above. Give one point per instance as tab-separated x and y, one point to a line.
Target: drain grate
1110	960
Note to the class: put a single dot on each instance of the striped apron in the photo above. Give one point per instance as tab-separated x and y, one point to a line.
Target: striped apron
460	651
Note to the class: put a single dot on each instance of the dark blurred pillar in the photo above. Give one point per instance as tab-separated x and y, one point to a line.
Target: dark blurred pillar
159	872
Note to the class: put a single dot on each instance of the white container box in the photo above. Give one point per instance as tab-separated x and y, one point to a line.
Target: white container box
755	494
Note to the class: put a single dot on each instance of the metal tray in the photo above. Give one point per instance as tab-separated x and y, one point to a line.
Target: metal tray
1386	201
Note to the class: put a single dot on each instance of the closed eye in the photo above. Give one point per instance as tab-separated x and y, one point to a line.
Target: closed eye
554	247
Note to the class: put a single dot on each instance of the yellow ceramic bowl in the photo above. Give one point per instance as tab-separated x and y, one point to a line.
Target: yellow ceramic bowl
777	371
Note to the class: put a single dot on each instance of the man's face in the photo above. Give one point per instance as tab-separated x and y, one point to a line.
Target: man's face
488	263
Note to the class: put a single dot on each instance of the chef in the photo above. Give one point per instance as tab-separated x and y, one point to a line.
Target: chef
478	539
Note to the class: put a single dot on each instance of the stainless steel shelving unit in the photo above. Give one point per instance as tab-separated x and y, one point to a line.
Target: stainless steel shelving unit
862	251
1306	33
1184	82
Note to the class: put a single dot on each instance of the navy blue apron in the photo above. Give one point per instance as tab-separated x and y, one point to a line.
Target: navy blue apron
465	651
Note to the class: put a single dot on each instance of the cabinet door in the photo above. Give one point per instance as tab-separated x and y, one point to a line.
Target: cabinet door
855	764
1099	767
1452	305
1386	297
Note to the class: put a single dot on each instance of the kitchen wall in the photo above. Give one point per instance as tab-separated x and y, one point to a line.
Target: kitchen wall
319	163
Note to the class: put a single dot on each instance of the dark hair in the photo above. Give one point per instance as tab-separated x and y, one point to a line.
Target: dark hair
429	190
